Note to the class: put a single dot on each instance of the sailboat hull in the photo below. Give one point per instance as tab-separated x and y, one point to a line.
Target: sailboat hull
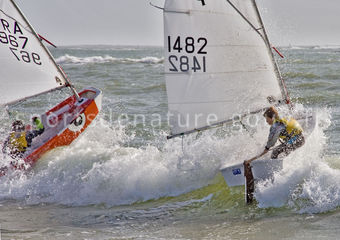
63	124
262	169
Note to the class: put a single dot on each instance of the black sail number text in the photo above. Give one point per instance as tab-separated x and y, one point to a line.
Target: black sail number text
188	45
186	63
17	46
187	53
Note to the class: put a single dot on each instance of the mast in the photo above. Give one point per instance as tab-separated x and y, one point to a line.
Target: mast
69	84
285	94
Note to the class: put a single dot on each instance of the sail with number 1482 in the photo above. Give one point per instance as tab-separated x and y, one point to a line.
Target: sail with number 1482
219	64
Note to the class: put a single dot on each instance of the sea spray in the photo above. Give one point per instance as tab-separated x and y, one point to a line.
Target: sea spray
306	183
100	170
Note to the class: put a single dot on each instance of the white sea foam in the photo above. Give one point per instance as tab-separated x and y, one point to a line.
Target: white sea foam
68	59
99	169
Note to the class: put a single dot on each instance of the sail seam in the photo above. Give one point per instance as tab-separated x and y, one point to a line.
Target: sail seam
175	11
196	11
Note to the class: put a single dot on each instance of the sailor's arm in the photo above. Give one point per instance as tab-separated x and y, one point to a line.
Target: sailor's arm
274	134
258	156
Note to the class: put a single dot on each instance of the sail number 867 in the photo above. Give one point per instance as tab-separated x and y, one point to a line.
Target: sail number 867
17	46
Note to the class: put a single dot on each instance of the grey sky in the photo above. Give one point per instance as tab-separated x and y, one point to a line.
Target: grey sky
302	22
135	22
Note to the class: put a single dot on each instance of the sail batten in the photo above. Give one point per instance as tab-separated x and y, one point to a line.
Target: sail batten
27	67
217	65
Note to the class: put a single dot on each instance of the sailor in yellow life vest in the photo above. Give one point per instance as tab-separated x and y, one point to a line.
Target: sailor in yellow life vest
288	131
290	134
20	139
16	144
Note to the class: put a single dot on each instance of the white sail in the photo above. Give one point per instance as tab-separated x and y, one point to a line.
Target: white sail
26	66
217	65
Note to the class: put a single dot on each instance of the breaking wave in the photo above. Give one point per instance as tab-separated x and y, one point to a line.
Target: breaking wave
101	168
68	59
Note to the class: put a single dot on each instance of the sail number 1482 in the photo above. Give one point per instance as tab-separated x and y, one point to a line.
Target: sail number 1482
192	54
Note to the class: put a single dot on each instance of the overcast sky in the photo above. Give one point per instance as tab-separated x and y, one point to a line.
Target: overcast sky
135	22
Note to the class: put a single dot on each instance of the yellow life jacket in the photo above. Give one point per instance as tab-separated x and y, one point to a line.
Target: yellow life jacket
293	127
17	141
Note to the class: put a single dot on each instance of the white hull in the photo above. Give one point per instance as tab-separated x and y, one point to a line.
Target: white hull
262	169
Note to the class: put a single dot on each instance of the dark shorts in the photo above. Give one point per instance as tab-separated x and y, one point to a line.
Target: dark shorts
287	148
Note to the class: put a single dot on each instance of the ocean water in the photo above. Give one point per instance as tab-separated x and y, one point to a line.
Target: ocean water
123	180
